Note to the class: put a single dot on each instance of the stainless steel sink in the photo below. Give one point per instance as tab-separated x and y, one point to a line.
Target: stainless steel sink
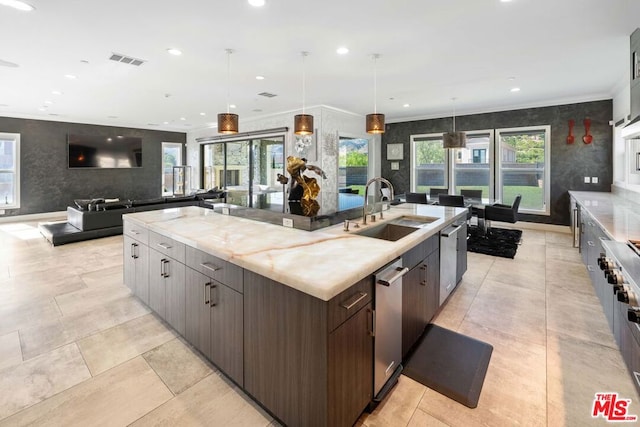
388	231
414	220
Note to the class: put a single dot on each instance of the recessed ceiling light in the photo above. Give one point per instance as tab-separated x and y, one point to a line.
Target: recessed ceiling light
512	78
17	4
203	114
515	89
42	109
70	76
342	50
257	110
232	105
48	102
165	123
109	139
257	3
406	105
112	117
183	118
84	61
56	92
174	51
259	77
505	1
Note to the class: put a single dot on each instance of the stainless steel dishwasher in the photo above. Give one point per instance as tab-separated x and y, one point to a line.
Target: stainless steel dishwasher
448	260
388	328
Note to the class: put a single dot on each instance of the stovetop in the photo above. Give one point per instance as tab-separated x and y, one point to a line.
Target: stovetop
627	257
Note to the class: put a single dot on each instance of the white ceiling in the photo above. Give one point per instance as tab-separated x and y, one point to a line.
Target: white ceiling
431	51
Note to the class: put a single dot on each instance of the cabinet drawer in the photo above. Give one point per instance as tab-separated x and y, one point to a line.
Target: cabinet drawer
348	302
414	256
218	269
133	230
167	246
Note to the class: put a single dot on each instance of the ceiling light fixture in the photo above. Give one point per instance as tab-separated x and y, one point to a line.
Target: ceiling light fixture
70	76
16	4
228	122
342	50
375	121
303	123
406	105
454	139
259	77
56	92
174	51
515	89
256	3
203	114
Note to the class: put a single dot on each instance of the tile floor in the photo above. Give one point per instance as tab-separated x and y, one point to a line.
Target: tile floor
77	349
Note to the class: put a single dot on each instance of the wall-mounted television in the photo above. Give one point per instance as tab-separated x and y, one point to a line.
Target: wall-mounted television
117	151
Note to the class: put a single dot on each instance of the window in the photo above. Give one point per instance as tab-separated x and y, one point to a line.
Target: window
429	163
171	156
247	169
523	167
353	171
472	170
9	170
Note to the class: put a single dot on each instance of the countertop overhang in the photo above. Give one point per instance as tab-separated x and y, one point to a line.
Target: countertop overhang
320	263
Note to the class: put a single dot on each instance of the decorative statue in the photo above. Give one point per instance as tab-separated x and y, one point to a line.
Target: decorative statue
303	189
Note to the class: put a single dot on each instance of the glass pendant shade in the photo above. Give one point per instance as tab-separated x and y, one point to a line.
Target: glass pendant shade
303	124
227	123
375	123
454	140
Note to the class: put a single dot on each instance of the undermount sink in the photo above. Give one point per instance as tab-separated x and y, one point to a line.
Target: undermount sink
414	220
388	231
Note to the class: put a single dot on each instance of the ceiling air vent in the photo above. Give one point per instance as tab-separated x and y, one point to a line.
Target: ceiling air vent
126	59
267	94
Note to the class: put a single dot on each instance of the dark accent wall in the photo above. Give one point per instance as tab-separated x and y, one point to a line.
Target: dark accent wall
48	185
569	163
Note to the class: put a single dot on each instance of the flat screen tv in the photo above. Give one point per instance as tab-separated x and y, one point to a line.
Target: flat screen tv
87	151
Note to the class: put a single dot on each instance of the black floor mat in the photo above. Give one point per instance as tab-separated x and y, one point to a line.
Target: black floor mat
500	242
450	363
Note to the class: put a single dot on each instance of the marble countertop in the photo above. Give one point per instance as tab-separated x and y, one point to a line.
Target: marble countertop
618	216
321	263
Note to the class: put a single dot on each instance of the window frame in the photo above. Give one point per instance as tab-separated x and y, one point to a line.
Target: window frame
547	165
492	167
179	145
412	159
15	137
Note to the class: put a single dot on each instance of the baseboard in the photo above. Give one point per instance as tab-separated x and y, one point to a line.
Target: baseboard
35	217
533	226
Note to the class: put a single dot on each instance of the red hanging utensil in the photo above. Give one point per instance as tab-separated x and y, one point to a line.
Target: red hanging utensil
571	138
587	138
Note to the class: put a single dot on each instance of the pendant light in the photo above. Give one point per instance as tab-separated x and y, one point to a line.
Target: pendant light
454	139
228	122
303	123
375	121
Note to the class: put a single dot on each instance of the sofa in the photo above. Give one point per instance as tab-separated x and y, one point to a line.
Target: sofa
94	218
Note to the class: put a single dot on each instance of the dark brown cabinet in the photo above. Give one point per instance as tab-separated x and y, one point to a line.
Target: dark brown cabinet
214	322
420	293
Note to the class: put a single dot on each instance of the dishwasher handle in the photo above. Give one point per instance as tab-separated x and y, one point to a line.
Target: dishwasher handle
397	274
451	231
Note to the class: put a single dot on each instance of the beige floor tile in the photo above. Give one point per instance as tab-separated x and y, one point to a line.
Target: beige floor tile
537	237
517	272
422	419
560	239
114	398
26	289
179	365
563	253
109	276
46	336
114	346
211	402
514	390
88	299
510	309
398	407
35	380
10	353
569	272
530	253
29	314
576	370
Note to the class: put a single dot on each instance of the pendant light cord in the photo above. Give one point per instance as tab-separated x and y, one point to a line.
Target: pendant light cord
229	52
304	56
375	82
454	114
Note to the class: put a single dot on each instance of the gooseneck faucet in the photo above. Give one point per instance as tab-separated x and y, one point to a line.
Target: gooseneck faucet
366	195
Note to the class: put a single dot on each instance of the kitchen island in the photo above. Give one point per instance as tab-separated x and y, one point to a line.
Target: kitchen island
286	314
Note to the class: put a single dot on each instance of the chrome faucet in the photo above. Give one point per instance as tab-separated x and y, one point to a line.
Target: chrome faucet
366	195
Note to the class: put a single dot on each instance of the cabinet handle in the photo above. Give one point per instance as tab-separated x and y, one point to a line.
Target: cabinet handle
207	285
135	232
354	300
371	330
164	246
164	272
210	266
133	250
423	282
214	302
423	267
